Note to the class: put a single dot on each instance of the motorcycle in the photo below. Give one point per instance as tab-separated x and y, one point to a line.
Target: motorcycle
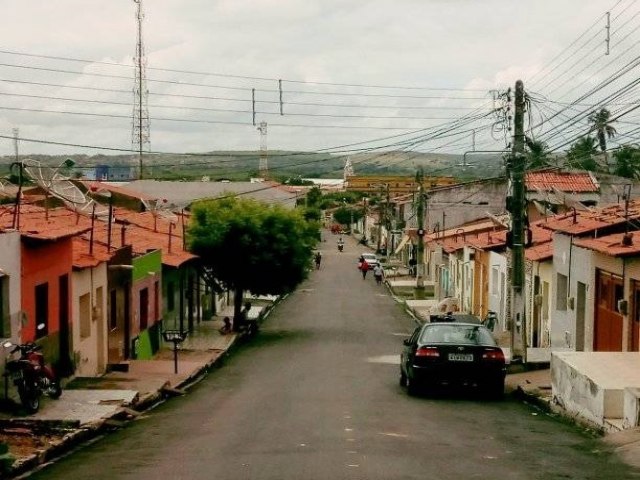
31	375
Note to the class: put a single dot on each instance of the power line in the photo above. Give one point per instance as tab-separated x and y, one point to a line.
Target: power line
244	89
244	77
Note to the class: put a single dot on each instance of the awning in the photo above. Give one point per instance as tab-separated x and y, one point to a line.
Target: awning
402	243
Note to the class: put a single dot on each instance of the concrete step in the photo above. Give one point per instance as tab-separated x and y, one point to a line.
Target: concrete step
612	425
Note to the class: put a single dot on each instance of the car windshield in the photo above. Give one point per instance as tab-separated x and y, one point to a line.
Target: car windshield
457	334
369	257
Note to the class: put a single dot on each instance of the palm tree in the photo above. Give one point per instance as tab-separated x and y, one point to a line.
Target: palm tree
537	154
601	125
582	154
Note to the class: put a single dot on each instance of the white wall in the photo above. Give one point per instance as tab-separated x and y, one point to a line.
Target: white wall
11	266
90	353
497	299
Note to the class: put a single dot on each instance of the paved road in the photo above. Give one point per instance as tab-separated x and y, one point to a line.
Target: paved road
316	396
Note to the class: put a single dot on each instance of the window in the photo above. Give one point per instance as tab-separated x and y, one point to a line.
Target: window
85	315
494	281
561	292
42	310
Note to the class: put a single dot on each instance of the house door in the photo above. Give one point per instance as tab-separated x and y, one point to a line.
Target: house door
607	336
635	319
581	306
64	364
535	333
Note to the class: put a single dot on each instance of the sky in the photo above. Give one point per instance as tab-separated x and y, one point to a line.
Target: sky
211	63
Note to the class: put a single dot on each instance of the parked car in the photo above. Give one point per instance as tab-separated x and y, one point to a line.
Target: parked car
371	259
455	317
452	353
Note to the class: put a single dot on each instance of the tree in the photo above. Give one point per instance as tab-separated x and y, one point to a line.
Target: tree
601	125
345	215
627	162
537	154
582	154
251	246
314	195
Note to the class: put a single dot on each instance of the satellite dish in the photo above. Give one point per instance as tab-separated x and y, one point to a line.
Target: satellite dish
52	181
160	208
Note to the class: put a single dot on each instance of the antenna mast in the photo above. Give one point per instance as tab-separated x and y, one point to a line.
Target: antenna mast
264	166
140	134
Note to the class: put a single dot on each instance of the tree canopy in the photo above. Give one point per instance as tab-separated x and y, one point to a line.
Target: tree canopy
537	153
582	154
627	162
252	246
601	125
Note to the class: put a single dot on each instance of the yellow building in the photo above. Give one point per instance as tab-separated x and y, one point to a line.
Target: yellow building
397	184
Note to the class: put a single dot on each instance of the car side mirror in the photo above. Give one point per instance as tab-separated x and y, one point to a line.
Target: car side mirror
407	342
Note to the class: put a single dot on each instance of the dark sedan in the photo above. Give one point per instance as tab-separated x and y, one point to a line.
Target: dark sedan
452	353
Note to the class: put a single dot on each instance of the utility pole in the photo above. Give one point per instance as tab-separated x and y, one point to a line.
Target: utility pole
517	208
419	290
263	166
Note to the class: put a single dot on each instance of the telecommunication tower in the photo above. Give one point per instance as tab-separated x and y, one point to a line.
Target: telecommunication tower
140	134
264	166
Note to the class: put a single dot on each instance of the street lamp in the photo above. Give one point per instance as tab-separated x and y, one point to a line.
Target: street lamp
176	337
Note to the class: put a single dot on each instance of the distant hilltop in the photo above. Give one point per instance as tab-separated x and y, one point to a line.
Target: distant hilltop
242	165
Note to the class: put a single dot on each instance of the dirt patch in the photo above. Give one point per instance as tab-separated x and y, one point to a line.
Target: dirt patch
24	444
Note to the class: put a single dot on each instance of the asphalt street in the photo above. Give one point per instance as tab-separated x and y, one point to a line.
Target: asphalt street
316	396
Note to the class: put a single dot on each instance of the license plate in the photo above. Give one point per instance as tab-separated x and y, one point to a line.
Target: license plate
461	357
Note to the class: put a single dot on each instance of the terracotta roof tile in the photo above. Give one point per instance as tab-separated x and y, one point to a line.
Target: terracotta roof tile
586	221
570	182
38	224
612	244
64	223
542	251
81	256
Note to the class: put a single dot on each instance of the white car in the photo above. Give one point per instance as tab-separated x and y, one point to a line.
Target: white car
371	259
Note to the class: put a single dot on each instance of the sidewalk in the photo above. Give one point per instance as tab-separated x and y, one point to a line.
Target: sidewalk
90	406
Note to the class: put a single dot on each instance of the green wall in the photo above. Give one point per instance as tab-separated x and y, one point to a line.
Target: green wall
150	262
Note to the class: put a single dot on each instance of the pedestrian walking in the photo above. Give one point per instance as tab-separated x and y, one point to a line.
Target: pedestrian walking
364	268
318	259
378	273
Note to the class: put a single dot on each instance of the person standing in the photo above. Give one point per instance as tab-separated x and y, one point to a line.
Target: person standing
318	259
364	268
378	273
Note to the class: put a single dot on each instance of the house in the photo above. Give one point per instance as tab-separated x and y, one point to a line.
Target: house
89	307
579	275
555	191
396	184
46	282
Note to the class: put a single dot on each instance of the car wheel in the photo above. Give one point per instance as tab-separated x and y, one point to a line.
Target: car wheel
412	387
403	379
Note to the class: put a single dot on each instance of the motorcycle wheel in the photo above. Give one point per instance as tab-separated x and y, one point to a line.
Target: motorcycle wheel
55	390
30	398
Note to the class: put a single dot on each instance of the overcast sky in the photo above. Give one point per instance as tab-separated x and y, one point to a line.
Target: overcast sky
470	45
